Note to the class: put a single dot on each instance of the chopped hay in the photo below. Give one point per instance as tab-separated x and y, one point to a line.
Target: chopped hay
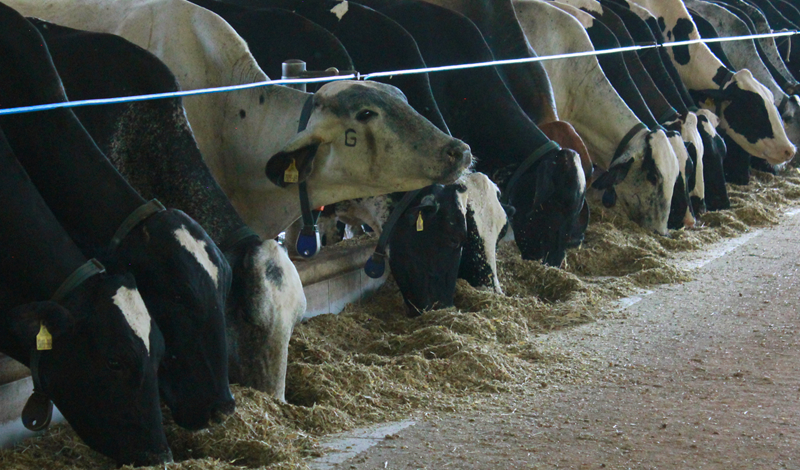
373	364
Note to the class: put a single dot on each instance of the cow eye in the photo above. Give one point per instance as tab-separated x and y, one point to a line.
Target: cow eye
365	115
114	365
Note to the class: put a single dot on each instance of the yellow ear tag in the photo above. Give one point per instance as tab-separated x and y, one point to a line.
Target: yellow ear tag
710	102
291	175
420	226
44	340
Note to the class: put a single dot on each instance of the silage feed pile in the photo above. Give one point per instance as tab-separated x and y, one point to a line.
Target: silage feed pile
371	364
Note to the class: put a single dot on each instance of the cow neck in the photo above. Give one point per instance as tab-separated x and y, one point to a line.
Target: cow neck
38	411
719	95
230	241
308	242
548	147
376	264
626	140
136	217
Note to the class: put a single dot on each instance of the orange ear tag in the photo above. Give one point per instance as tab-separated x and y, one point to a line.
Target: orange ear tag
291	175
420	226
44	340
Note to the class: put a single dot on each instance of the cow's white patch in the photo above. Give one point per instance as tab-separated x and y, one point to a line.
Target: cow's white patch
586	20
667	164
135	312
340	10
691	134
198	249
490	217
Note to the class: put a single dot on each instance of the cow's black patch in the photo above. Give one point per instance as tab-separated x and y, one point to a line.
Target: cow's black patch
649	164
690	175
662	25
681	32
273	273
261	99
721	76
747	115
242	113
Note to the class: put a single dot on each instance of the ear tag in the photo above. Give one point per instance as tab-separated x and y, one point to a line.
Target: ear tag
420	224
44	340
291	175
710	102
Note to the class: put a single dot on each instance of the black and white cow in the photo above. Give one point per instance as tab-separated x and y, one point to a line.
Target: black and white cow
748	114
261	309
632	81
362	138
101	372
478	107
645	168
713	169
744	55
183	277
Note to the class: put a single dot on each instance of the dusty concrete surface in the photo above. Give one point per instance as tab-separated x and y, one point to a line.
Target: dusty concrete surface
701	375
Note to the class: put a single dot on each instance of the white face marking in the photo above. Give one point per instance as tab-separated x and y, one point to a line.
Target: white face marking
135	312
340	10
198	249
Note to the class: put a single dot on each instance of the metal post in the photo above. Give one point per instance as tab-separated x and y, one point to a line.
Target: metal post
293	68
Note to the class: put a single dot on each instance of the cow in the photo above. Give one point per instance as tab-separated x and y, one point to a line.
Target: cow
443	233
478	107
362	138
260	310
101	370
640	93
658	70
743	55
181	274
748	115
714	154
640	164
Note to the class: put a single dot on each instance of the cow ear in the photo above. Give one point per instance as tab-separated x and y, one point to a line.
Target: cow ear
295	162
26	320
613	176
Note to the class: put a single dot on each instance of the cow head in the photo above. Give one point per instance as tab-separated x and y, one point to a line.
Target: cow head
486	220
425	247
365	135
185	280
749	117
642	180
680	212
549	203
714	150
266	301
696	149
102	370
789	109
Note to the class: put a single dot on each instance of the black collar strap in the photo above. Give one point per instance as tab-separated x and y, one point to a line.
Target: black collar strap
549	146
234	238
38	411
625	141
376	264
670	115
138	216
84	272
308	242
